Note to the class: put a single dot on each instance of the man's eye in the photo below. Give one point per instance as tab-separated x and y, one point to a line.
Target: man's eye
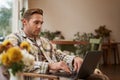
36	22
41	22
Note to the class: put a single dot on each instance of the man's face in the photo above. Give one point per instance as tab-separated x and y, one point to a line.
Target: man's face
32	27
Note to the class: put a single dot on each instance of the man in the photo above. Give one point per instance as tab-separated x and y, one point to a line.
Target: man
54	60
47	57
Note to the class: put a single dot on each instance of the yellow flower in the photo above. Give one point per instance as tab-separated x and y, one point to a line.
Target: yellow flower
6	43
14	54
4	59
2	48
25	45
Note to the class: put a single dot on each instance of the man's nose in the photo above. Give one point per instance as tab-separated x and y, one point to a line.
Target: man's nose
39	26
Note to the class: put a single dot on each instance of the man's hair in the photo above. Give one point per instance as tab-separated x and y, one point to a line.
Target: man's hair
27	15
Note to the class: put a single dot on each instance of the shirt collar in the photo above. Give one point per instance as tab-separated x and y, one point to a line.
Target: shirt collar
25	36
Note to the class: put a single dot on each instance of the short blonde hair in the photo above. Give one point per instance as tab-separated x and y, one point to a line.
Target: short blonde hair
30	12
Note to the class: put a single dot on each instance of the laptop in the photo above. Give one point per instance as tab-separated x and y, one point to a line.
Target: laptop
88	66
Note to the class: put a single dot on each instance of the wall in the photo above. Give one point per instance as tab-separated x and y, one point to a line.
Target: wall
71	16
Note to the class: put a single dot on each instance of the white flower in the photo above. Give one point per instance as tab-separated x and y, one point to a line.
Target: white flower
28	59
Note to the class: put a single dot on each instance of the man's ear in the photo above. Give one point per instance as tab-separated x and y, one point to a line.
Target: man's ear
24	21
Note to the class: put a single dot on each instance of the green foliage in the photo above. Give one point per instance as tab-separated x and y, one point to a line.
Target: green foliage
82	48
22	12
16	67
103	32
47	34
52	35
5	19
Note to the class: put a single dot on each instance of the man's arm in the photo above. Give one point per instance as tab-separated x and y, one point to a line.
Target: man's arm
72	61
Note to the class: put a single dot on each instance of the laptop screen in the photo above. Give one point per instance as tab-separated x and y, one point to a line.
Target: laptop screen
89	64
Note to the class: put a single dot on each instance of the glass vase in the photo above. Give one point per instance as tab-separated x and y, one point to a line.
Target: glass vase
17	76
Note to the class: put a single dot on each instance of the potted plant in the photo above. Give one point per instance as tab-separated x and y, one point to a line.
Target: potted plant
52	35
82	48
103	32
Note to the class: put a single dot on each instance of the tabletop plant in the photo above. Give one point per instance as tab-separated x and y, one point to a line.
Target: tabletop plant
103	32
82	48
57	35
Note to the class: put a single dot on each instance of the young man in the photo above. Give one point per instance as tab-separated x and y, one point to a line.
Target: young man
46	55
44	52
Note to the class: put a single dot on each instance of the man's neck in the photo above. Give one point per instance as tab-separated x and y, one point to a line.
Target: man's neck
30	36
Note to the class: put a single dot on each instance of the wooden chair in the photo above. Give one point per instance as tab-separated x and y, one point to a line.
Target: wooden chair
95	44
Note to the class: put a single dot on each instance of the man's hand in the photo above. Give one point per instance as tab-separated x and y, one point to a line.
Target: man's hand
97	71
77	63
59	66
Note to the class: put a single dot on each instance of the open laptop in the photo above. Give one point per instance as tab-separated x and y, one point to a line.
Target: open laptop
88	66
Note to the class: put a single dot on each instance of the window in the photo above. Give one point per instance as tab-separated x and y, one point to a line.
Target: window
10	15
5	17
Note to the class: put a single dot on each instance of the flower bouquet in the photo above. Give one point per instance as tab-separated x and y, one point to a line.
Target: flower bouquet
15	58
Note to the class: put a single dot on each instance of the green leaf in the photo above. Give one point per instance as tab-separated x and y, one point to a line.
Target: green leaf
17	67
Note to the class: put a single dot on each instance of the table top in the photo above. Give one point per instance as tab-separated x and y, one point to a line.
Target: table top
111	43
68	42
40	75
79	42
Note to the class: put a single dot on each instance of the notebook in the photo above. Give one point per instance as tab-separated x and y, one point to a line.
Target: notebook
88	66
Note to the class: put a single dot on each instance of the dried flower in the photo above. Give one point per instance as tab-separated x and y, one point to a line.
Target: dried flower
15	58
4	59
7	44
12	59
14	54
102	31
25	45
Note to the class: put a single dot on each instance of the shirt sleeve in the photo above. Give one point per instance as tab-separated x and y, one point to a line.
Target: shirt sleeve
40	67
61	56
58	55
13	39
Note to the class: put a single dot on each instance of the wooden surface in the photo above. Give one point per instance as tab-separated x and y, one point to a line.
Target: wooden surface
68	42
110	43
109	49
41	75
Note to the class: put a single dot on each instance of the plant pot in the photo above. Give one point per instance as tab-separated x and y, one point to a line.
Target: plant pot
106	39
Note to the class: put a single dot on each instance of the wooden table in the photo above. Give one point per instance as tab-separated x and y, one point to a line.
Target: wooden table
61	42
108	49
